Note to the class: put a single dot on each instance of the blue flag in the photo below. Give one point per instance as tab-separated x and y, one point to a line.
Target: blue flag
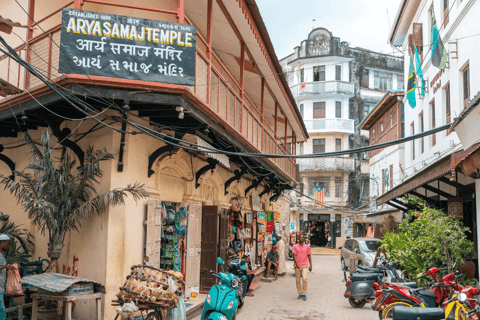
419	70
439	53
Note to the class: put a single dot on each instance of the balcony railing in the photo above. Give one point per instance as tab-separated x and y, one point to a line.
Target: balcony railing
222	90
330	125
326	164
324	88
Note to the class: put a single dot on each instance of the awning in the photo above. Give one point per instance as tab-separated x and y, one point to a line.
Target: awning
468	162
6	88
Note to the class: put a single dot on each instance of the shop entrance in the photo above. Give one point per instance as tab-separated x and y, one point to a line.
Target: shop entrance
319	229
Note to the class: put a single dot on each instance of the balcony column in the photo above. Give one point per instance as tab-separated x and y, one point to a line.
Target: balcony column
31	22
209	46
181	11
78	4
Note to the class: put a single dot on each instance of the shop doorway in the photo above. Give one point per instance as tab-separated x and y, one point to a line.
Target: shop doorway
319	229
210	237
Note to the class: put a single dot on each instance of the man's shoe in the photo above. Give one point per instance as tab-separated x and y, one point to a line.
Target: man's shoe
300	297
304	297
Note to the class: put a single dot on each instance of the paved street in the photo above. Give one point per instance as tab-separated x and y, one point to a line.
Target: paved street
278	300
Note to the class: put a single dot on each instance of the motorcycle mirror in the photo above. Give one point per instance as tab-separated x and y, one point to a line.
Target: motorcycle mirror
220	261
462	297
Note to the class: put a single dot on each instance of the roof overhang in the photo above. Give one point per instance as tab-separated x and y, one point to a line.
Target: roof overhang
6	88
403	19
466	122
386	102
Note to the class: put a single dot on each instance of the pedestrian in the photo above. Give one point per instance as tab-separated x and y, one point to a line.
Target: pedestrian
281	251
4	246
370	231
302	261
250	274
272	262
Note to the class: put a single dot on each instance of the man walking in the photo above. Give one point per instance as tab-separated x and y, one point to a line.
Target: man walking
272	261
4	246
302	261
281	252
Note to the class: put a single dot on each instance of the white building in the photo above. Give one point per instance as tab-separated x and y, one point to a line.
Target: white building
430	163
336	87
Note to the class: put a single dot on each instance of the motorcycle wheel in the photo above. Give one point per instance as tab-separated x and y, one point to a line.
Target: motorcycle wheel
355	303
240	303
344	266
388	311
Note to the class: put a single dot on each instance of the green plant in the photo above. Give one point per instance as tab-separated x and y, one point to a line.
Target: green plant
21	242
388	224
58	197
427	238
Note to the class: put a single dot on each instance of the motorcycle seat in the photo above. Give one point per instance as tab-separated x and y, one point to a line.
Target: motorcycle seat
406	313
366	276
424	293
368	269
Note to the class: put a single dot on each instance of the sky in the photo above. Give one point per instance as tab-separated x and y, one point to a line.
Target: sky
362	23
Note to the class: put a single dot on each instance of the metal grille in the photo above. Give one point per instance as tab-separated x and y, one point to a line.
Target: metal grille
55	55
201	78
231	108
214	91
223	101
238	119
39	59
244	124
325	87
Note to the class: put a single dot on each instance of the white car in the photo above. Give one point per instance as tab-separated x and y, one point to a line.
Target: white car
364	248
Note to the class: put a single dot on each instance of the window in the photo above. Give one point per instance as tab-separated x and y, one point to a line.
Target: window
420	119
373	134
382	81
412	132
432	120
338	73
365	78
301	110
445	12
447	103
338	144
400	83
319	73
418	39
338	109
302	75
318	145
338	187
319	110
466	85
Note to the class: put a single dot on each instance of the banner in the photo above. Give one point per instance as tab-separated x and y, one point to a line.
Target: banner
114	46
269	227
262	218
276	216
255	202
269	216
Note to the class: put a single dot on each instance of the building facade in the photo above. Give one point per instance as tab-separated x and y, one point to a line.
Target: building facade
431	169
214	111
336	87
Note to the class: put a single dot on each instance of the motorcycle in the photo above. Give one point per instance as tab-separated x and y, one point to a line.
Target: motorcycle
223	299
455	308
238	267
362	285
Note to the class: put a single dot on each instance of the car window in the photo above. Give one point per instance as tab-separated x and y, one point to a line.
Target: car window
347	244
354	245
370	245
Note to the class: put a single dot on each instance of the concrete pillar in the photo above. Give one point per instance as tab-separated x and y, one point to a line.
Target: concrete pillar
477	199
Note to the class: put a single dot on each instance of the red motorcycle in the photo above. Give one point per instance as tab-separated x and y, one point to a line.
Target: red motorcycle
392	294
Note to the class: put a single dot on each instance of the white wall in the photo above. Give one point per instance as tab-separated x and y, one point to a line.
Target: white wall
394	155
463	21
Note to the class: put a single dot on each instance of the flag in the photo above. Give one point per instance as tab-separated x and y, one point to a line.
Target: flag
411	85
304	83
419	70
439	53
319	194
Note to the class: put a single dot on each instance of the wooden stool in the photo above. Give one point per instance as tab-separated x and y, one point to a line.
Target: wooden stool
67	307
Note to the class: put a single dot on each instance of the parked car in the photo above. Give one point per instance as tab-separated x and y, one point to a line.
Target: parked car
364	248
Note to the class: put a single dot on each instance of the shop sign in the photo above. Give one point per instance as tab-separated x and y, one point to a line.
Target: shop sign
277	227
261	228
269	216
276	216
260	236
248	233
455	208
268	239
262	218
269	227
292	226
255	202
114	46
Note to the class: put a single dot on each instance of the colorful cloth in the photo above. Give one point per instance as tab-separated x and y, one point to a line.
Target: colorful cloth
3	275
411	85
302	253
439	53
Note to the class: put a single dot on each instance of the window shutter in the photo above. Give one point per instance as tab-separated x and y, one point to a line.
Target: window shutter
154	232
410	44
418	38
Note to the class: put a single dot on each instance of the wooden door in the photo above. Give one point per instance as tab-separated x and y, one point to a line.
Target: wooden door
194	246
223	234
209	246
153	239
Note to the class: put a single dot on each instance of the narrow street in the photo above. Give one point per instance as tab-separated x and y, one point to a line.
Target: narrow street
278	300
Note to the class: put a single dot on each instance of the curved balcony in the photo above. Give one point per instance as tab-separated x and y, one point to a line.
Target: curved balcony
326	164
330	125
324	88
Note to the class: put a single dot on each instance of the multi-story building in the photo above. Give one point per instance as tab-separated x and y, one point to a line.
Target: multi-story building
431	170
335	87
211	78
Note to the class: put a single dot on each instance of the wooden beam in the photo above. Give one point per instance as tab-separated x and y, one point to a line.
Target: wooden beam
276	116
286	131
404	204
262	100
5	28
180	11
397	206
437	191
453	183
242	69
421	196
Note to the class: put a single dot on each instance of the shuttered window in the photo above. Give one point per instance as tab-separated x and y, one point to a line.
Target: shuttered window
319	110
301	109
365	78
445	12
418	38
302	75
338	109
338	144
338	73
318	145
391	176
338	187
466	84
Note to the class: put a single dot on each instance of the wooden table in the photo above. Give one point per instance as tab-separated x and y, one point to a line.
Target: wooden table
67	306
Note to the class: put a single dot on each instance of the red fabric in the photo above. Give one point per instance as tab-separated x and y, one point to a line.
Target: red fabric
302	253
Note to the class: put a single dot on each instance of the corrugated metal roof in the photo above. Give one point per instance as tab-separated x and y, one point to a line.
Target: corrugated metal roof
57	282
11	23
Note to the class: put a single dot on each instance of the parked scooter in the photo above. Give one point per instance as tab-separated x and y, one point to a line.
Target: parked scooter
224	298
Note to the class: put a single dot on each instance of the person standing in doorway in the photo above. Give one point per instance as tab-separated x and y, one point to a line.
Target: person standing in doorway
281	255
370	231
302	261
4	246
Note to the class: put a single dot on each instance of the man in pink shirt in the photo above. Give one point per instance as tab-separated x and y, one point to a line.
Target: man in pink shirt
302	260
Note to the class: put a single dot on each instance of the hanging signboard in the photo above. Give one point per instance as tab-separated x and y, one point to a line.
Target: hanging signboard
262	218
109	45
292	226
269	216
255	202
276	216
455	208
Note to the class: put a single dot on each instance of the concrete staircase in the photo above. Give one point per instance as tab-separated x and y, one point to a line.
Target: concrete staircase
326	251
